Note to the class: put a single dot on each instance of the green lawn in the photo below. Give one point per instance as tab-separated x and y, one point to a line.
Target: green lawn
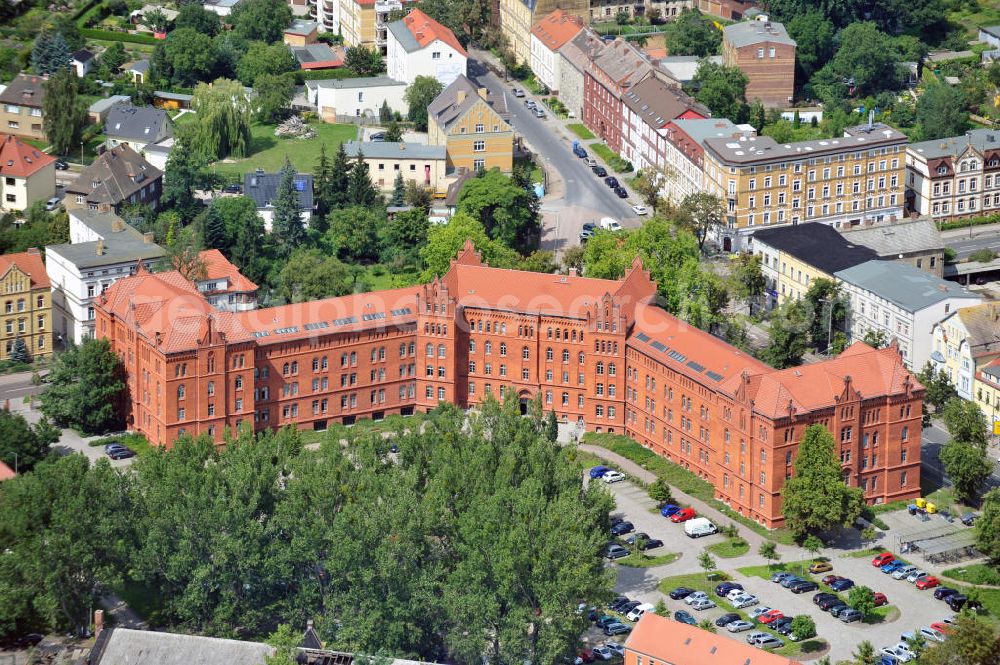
610	158
643	560
581	130
363	427
268	152
864	554
977	573
765	572
379	278
987	13
882	614
728	549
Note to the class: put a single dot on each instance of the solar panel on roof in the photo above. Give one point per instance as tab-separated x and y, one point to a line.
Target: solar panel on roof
695	366
261	333
642	337
300	185
316	326
344	321
659	346
373	316
679	357
402	312
282	331
715	376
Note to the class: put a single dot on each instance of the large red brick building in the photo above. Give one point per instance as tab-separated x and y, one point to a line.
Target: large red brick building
597	352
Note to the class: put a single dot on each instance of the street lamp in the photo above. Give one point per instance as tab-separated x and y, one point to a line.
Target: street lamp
829	323
81	153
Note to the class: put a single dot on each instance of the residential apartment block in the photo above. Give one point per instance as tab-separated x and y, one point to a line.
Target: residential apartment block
596	352
27	174
842	182
574	58
424	165
766	54
954	177
117	177
27	304
682	145
366	22
517	17
914	241
417	45
470	125
548	36
965	342
613	69
21	105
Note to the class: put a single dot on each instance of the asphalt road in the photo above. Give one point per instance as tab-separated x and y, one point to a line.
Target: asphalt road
966	246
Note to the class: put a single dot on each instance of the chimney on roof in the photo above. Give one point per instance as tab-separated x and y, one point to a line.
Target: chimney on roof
100	247
460	96
147	238
98	623
572	272
117	225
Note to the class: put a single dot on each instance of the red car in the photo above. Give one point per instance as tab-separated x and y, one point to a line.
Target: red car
771	616
830	579
587	655
928	582
881	599
882	559
941	627
682	515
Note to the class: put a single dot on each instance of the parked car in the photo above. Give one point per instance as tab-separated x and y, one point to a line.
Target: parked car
943	628
738	626
821	596
725	587
803	586
530	103
618	602
622	528
52	203
828	603
880	599
616	648
631	540
621	192
669	509
233	188
829	579
703	604
771	642
837	610
932	635
517	92
651	544
789	581
586	235
629	606
755	636
539	113
727	619
734	592
960	600
968	519
928	582
893	566
636	612
61	165
579	151
697	595
617	552
611	181
901	653
744	600
685	617
682	515
590	162
943	592
882	559
616	628
769	617
820	567
600	171
915	576
603	652
598	471
903	572
843	584
586	655
377	137
613	477
850	615
781	575
606	620
121	453
680	593
758	611
639	209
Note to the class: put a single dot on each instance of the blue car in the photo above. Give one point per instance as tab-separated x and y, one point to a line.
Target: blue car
843	584
669	510
892	566
726	587
598	471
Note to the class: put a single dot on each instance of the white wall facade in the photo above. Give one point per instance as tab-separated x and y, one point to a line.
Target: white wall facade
545	64
356	101
437	59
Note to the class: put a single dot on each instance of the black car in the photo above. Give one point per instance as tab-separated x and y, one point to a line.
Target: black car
61	165
621	528
629	606
959	600
377	137
783	626
726	587
828	603
943	592
685	617
727	619
589	226
621	192
968	519
233	188
652	544
618	602
803	586
821	596
29	640
600	171
121	453
680	593
611	181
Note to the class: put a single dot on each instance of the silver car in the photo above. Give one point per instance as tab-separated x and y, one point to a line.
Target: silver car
903	572
915	575
703	604
697	595
770	642
738	626
745	601
756	636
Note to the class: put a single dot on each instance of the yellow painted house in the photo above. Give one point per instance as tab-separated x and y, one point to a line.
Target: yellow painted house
966	347
25	304
517	17
471	128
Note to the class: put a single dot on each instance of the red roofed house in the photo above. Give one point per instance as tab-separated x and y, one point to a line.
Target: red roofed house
597	352
6	473
657	639
548	36
648	107
224	287
613	69
417	45
27	174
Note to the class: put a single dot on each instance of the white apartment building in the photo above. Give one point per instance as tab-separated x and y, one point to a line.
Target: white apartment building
954	177
548	36
355	97
683	153
417	45
102	249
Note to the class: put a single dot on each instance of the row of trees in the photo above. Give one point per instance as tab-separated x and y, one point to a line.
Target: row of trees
481	546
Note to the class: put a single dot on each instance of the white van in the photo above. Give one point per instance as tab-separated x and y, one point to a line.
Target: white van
609	224
637	613
699	527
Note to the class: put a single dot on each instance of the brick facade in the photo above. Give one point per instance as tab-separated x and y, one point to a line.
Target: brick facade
596	352
764	52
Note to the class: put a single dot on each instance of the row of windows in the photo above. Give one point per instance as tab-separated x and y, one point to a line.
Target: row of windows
9	305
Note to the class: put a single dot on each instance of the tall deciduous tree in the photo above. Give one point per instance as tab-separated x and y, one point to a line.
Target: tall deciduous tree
693	33
364	61
862	599
445	240
191	56
788	337
723	90
749	282
85	388
64	112
22	446
223	119
261	20
988	526
967	466
827	310
274	94
941	112
966	422
261	58
814	38
939	389
970	642
198	18
703	214
309	275
509	213
287	226
816	498
418	96
353	233
183	174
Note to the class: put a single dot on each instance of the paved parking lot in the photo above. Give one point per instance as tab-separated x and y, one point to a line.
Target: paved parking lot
916	608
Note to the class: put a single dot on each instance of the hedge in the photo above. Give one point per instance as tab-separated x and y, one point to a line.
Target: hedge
971	221
321	74
111	36
84	8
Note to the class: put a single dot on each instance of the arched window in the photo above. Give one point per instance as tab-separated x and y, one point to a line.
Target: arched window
611	369
488	347
503	348
211	363
284	369
548	353
582	357
565	355
599	368
429	349
211	388
441	351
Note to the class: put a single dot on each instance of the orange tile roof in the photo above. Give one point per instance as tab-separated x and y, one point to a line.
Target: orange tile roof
557	28
20	160
425	30
655	53
30	263
6	473
677	643
217	266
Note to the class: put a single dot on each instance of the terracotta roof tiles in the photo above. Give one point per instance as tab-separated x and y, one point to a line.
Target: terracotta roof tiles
20	160
30	263
426	30
556	29
677	643
217	266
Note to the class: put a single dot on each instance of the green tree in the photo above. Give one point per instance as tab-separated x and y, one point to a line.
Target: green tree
862	599
988	526
22	446
706	561
260	58
769	550
865	654
287	226
966	422
50	53
757	116
789	335
749	283
875	338
702	214
229	214
214	234
967	466
247	254
816	498
112	59
814	38
64	112
261	20
191	56
322	183
19	352
868	534
418	96
354	233
659	491
85	388
402	236
223	120
938	387
444	241
309	275
274	94
812	544
156	20
364	61
971	642
199	19
803	627
723	90
285	641
360	190
692	33
184	172
394	132
509	213
551	427
868	66
941	112
827	310
398	199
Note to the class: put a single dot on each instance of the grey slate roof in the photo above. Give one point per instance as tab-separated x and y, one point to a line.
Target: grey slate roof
578	51
980	139
682	68
404	36
122	243
83	55
701	130
135	122
392	150
24	90
992	30
446	107
140	66
118	173
263	188
895	238
910	288
621	62
749	33
124	646
762	149
658	103
818	245
102	105
314	53
363	82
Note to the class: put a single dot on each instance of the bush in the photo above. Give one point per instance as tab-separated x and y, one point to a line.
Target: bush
983	255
